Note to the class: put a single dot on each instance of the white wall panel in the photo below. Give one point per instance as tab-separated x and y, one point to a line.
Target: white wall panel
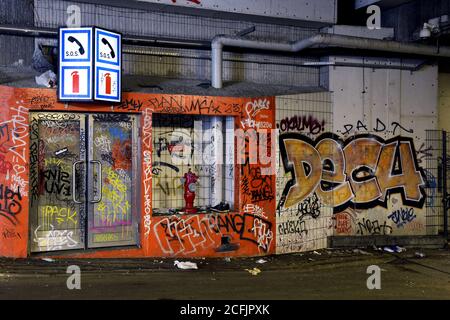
306	10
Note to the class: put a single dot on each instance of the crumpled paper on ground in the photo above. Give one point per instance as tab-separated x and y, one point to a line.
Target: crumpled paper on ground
186	265
261	261
48	259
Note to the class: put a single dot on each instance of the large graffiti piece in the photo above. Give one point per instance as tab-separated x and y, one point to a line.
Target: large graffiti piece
360	172
214	233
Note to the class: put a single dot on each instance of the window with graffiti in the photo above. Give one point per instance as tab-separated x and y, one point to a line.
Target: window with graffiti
192	164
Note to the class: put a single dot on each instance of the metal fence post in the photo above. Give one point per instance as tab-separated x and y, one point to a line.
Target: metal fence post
444	182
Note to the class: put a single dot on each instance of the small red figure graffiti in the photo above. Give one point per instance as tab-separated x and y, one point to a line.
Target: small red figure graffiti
343	223
189	181
122	154
5	166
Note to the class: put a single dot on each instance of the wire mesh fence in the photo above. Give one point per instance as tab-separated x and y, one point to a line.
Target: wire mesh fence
189	142
437	180
306	225
157	61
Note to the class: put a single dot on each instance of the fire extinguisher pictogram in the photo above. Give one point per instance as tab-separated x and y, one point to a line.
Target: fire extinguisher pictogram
107	83
75	82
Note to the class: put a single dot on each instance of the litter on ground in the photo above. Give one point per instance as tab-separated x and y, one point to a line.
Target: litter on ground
419	255
254	271
185	265
261	261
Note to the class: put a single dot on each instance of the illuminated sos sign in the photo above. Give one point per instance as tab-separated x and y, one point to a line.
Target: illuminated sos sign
90	61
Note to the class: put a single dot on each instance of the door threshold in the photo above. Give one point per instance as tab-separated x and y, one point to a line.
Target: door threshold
68	253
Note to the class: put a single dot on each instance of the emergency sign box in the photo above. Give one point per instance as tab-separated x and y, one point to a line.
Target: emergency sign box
107	65
90	62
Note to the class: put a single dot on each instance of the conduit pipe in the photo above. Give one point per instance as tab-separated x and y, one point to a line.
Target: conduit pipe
127	39
321	39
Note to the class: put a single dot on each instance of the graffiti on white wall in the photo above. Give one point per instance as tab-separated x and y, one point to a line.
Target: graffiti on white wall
360	172
363	185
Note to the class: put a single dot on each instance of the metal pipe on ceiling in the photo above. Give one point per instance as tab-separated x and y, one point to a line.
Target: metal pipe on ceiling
308	64
321	40
219	42
28	31
127	39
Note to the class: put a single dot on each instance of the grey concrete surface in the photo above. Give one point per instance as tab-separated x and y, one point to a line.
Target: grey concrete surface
430	242
330	274
24	77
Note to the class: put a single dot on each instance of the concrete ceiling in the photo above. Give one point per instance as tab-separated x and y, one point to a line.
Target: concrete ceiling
303	13
24	77
382	3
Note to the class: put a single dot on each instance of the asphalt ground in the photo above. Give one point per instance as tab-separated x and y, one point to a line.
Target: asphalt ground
326	274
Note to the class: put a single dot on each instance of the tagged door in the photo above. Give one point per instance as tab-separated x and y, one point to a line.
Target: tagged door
112	220
83	181
57	181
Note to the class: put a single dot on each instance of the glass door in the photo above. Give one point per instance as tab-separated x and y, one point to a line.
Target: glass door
57	181
83	181
112	158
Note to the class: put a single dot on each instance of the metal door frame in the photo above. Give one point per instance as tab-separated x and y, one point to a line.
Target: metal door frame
437	168
445	175
35	117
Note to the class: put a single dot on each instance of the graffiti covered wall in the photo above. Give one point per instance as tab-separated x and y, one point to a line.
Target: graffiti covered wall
398	107
248	230
14	146
361	171
365	169
302	226
355	175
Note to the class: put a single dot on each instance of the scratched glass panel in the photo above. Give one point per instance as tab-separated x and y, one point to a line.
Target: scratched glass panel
173	156
112	221
57	218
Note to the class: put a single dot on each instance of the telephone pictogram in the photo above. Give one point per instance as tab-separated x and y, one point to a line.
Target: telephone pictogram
106	42
80	46
75	82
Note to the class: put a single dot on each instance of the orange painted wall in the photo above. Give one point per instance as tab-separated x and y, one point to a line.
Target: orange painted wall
251	227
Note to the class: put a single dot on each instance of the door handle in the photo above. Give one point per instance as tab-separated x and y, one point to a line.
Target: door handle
99	174
74	187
